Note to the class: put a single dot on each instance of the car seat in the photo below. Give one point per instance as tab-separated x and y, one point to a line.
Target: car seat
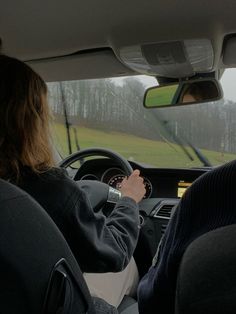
38	272
207	274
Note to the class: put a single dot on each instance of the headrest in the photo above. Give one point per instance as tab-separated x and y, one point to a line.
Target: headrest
30	247
207	275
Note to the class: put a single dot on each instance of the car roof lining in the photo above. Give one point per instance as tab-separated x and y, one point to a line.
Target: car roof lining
37	31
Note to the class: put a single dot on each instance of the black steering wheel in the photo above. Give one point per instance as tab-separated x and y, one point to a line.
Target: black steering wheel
98	192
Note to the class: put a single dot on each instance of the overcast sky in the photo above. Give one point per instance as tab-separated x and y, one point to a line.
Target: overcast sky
228	82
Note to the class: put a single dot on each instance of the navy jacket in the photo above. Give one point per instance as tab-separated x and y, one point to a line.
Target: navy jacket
208	204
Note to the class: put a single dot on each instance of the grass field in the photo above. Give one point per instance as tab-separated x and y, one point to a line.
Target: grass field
151	152
161	96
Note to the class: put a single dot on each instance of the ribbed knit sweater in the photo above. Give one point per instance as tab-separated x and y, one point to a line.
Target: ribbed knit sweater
208	204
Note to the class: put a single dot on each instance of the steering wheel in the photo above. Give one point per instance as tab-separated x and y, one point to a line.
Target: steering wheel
98	192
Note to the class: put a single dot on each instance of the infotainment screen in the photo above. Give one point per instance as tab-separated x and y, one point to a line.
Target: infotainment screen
182	186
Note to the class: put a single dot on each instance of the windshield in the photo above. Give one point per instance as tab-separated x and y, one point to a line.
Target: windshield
109	113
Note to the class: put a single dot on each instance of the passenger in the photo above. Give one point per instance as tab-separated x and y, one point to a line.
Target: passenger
198	91
99	244
192	93
207	205
157	288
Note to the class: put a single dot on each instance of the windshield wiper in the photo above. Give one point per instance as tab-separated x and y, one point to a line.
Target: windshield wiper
176	138
181	142
199	154
67	124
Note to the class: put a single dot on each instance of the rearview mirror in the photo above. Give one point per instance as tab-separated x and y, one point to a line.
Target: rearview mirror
183	93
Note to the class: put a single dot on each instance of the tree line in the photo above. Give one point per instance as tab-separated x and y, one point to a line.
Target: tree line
106	105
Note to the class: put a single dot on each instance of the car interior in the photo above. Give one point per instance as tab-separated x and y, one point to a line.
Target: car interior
174	43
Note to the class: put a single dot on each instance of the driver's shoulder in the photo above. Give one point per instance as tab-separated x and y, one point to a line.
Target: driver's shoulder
55	174
59	178
53	182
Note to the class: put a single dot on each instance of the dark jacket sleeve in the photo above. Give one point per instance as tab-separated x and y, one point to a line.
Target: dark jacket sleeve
100	243
156	289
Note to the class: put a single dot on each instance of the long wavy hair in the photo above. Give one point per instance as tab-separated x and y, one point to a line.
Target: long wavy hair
24	121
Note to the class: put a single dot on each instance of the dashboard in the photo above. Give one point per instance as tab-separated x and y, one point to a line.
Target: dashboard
164	188
159	182
114	176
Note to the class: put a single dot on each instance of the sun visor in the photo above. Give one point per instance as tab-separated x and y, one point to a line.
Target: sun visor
84	65
229	54
170	59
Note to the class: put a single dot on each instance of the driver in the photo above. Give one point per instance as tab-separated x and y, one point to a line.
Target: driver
100	244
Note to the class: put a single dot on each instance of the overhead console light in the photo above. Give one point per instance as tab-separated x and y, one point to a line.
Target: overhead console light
170	59
200	54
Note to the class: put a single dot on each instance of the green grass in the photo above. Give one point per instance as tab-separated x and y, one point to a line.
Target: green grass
151	152
161	96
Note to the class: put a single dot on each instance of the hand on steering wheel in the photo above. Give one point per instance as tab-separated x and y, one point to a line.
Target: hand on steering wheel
99	193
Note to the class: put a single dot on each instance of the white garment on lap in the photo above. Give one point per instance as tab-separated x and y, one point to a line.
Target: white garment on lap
112	287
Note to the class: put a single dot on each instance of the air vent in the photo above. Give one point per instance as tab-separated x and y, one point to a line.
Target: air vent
164	210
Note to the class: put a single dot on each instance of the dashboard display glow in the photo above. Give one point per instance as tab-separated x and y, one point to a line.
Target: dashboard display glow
182	187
